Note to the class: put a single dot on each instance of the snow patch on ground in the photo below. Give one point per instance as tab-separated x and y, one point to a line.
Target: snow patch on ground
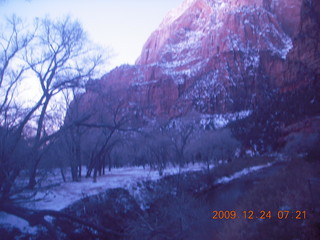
57	195
13	221
61	195
241	173
64	194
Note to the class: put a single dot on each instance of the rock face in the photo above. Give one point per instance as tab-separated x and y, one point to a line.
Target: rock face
218	56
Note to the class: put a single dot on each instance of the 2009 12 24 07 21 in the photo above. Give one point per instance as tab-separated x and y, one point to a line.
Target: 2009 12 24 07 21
281	214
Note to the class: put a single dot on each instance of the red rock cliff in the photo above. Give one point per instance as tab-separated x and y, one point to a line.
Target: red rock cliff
220	56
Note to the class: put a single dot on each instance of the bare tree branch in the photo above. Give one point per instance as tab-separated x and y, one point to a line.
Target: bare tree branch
37	217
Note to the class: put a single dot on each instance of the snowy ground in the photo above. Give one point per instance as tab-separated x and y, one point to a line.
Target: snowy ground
60	195
64	194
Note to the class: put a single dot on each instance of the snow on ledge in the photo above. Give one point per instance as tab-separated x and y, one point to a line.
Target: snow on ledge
242	173
222	120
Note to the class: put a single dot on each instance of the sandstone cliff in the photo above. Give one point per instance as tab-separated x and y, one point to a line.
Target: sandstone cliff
217	56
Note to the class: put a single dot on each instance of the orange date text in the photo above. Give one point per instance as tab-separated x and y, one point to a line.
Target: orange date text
263	214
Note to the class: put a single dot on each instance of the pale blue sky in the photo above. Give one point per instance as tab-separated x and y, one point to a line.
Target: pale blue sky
122	25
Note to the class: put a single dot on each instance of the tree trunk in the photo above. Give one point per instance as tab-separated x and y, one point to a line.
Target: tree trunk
37	145
95	175
79	170
33	173
109	162
62	174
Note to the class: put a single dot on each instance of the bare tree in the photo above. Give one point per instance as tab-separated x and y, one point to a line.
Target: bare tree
212	146
71	139
56	55
59	59
13	41
180	136
159	150
109	117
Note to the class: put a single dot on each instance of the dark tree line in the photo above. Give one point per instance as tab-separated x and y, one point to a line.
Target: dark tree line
264	127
